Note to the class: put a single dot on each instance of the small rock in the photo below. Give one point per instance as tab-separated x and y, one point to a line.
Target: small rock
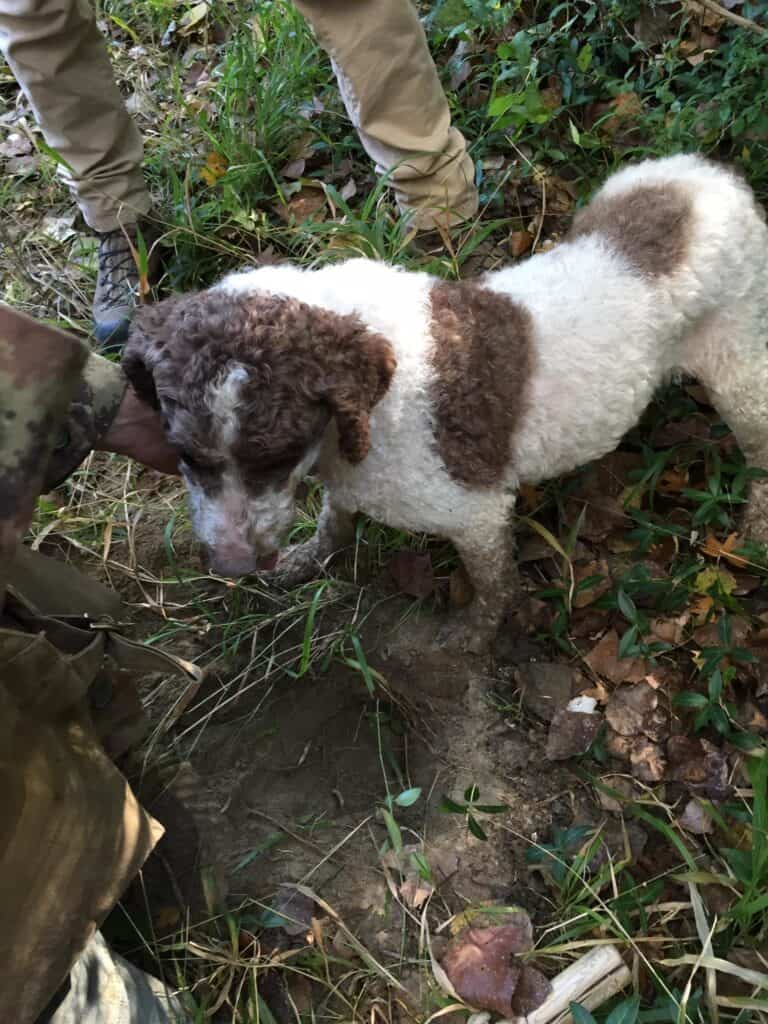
695	819
546	687
571	733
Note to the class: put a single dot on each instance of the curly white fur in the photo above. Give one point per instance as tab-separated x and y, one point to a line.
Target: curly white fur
604	335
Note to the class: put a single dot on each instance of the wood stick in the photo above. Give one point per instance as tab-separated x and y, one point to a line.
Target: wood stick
591	980
737	19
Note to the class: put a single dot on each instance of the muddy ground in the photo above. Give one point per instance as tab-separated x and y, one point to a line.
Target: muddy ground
283	784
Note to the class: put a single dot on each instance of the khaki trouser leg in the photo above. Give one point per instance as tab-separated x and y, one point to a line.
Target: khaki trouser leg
392	93
60	60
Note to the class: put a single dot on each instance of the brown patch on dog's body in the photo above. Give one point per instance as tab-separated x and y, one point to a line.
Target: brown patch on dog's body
482	359
648	225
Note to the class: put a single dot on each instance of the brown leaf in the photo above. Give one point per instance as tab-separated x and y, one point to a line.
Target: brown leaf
604	660
415	891
294	169
481	965
630	707
305	205
724	549
622	785
699	765
571	733
672	481
413	573
520	242
590	594
648	761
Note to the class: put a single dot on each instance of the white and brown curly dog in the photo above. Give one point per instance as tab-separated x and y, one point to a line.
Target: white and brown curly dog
425	404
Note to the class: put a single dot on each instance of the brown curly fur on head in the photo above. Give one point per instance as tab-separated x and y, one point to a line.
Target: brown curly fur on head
303	365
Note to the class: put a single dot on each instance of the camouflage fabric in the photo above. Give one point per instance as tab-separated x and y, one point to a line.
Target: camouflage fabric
55	400
72	834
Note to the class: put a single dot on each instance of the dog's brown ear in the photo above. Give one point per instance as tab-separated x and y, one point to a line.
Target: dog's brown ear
354	383
150	337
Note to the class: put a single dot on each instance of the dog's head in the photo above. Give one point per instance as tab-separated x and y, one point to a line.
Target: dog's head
247	385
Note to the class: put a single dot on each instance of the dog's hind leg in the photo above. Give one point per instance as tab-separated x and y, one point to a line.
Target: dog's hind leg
729	355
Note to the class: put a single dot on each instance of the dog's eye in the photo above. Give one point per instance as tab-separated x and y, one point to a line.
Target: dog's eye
194	464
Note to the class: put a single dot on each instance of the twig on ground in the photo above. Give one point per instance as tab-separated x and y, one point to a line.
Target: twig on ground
737	19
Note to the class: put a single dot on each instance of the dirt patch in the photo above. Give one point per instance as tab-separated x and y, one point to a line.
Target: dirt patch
294	789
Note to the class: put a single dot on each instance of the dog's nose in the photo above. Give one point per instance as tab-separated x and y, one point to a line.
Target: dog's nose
226	563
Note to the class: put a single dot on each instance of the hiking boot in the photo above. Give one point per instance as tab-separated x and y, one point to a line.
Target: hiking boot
117	289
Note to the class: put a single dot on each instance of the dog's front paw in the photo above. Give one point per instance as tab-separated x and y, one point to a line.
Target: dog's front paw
465	634
296	565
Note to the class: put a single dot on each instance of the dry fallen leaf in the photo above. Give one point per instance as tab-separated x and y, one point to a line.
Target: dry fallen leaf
724	549
193	18
415	891
483	969
520	243
588	595
699	765
648	761
630	707
294	169
672	481
413	573
306	204
625	787
604	660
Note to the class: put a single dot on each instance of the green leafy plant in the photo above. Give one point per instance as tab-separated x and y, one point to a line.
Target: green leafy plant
717	668
470	809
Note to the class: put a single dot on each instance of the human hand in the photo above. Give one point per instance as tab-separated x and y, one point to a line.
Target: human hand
137	431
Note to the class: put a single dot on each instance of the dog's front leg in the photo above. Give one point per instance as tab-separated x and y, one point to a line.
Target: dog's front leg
488	557
335	530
